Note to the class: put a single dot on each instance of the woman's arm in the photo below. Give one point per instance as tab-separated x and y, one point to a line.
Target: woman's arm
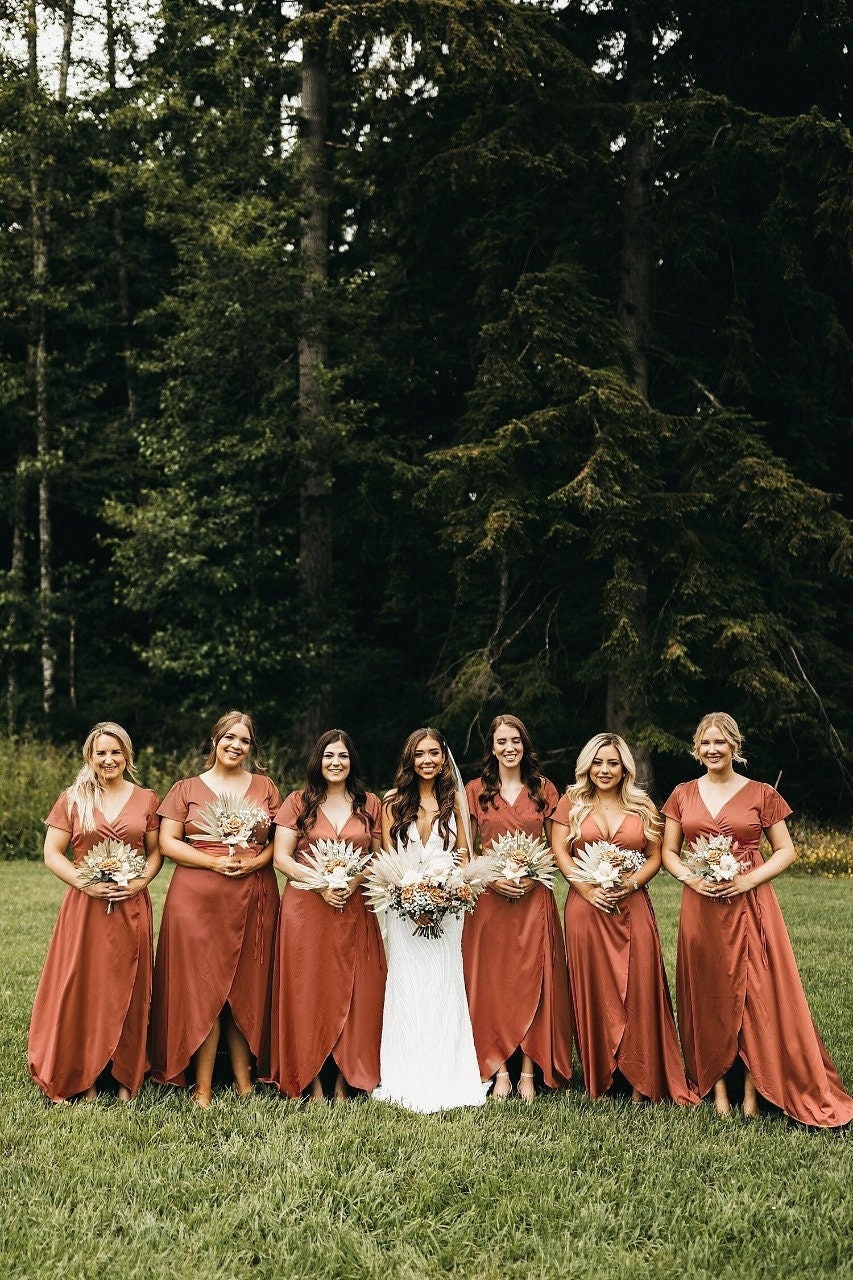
780	859
284	846
173	845
673	839
641	877
604	899
56	843
153	863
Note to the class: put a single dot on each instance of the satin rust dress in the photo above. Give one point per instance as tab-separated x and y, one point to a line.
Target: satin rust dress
620	996
93	999
329	979
216	942
738	989
514	956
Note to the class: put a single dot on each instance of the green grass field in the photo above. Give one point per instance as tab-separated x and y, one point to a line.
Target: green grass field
562	1188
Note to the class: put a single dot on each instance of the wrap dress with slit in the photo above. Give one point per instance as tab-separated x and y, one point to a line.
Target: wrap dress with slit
216	941
514	956
94	996
329	977
738	989
620	996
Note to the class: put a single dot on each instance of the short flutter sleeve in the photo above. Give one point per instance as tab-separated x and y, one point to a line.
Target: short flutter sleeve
176	804
552	798
773	807
59	817
287	815
374	813
272	797
152	817
673	807
562	811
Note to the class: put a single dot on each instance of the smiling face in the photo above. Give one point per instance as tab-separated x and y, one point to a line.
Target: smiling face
428	758
234	746
715	751
108	759
507	746
606	770
335	763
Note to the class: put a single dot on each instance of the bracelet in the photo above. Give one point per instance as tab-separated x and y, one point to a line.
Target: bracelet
636	886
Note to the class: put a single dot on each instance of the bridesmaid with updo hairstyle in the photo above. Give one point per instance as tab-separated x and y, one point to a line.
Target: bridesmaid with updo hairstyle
329	981
213	973
623	1013
738	990
512	945
91	1009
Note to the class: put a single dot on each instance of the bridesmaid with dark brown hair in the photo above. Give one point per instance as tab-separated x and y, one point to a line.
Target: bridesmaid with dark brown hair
213	972
512	945
739	992
329	981
93	1000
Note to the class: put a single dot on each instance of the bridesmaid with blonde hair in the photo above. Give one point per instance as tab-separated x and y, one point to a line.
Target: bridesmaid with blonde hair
93	999
623	1012
739	991
213	973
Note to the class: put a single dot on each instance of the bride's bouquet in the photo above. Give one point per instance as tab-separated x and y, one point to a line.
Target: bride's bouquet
605	864
331	864
425	890
111	862
517	854
230	820
714	858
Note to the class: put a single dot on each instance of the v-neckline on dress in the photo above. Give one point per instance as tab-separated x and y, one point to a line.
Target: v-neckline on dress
337	830
715	816
111	821
604	834
223	792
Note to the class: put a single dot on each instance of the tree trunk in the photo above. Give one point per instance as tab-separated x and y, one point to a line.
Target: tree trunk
16	593
118	240
634	316
40	195
315	537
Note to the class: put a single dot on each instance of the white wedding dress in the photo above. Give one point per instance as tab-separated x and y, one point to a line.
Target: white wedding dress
427	1059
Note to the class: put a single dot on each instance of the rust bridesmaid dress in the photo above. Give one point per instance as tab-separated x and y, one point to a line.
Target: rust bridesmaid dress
94	996
216	943
738	989
329	980
620	997
514	956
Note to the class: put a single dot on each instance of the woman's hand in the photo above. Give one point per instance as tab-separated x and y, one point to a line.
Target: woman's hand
233	868
336	898
605	900
700	885
623	889
512	889
130	890
733	888
105	889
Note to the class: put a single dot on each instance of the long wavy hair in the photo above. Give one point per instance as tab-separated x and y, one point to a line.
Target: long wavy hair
490	776
727	726
219	730
316	787
86	791
631	797
406	801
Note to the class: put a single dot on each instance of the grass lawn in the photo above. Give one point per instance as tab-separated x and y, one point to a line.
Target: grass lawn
562	1188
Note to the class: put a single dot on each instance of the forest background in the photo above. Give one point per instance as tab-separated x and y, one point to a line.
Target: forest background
374	364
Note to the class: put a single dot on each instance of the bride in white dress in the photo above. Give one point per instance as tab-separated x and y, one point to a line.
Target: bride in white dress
427	1058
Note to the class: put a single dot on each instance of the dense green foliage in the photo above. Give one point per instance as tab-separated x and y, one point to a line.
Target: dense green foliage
563	1187
513	521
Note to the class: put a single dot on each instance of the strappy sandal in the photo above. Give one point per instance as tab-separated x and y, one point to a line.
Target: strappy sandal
526	1097
501	1097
